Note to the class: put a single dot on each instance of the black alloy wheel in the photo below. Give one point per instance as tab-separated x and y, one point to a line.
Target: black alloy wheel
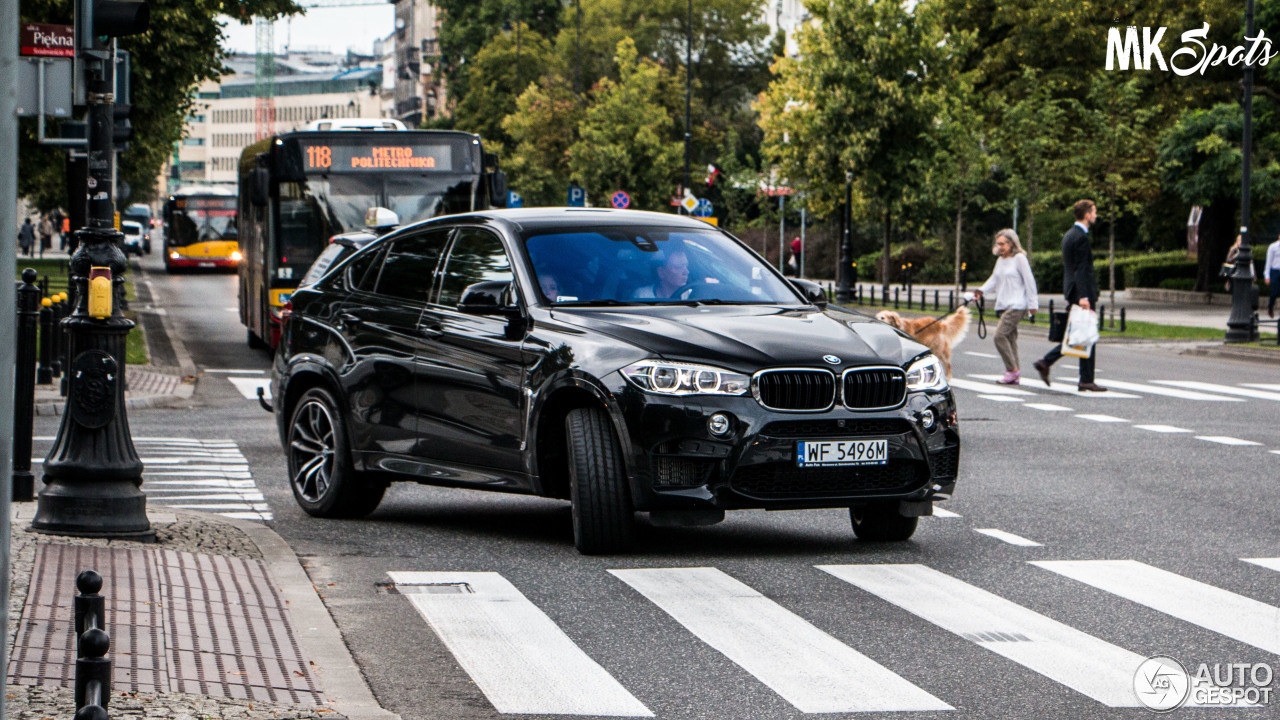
320	472
603	519
881	522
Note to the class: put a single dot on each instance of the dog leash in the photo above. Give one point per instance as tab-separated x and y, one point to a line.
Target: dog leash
982	321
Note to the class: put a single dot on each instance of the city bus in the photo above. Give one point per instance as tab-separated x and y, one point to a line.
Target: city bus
200	229
300	189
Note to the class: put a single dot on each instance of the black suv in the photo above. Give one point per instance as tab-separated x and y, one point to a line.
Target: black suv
625	361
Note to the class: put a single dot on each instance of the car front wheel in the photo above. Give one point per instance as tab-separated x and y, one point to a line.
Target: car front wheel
881	522
603	519
323	480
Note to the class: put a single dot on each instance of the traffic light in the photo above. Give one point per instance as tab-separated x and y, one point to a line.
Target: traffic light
99	20
122	131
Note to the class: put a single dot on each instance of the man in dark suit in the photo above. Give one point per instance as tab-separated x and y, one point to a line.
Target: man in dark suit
1080	285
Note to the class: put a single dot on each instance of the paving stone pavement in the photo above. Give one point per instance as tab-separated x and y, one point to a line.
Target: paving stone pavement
150	613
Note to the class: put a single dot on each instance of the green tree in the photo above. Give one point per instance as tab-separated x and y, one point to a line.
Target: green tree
863	96
502	70
1200	161
1115	151
1033	149
625	136
961	162
542	130
182	48
469	25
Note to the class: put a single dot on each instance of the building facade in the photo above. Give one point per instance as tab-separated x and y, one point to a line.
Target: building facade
419	86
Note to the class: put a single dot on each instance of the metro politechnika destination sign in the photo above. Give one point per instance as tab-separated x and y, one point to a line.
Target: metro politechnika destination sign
48	40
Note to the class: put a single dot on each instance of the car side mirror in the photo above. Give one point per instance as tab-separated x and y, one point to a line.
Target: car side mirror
259	186
811	291
489	298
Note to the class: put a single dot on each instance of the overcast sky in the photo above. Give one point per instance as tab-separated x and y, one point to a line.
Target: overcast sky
335	29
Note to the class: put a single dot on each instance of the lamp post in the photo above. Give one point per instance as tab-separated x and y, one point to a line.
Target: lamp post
1242	325
688	92
846	245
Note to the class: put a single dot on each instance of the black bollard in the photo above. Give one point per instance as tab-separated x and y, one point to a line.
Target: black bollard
884	295
24	387
895	298
909	299
56	364
93	667
44	372
1122	320
1102	316
951	300
935	301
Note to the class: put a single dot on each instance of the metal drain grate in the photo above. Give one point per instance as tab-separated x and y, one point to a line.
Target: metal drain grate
182	622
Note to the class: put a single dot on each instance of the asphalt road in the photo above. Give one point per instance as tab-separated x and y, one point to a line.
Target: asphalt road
762	631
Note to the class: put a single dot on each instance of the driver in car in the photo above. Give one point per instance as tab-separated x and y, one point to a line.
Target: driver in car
673	273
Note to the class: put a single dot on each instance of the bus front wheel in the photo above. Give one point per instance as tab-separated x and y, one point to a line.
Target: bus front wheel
255	342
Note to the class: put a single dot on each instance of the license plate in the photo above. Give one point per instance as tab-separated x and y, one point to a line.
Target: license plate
827	453
205	264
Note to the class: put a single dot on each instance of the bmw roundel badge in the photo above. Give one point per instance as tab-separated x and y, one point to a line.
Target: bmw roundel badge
832	359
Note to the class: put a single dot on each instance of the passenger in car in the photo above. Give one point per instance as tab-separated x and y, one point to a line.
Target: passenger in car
673	273
550	287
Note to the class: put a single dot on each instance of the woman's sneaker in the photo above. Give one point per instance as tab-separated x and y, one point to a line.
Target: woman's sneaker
1010	378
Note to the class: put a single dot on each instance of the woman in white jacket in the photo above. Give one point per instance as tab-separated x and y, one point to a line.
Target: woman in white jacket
1015	289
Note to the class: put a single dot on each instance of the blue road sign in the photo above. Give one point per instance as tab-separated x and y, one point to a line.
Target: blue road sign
620	200
577	196
703	209
514	200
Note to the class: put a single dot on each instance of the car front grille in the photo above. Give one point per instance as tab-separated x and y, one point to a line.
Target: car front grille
796	390
673	471
946	464
874	388
786	480
836	428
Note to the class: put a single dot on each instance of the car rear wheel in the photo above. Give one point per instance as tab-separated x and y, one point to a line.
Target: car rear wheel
603	519
323	480
881	522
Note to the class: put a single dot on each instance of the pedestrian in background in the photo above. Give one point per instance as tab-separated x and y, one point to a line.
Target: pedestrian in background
1015	289
46	235
27	237
1080	286
66	230
1271	273
794	262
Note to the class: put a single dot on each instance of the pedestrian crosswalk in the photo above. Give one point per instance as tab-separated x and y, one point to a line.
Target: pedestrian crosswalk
524	663
194	474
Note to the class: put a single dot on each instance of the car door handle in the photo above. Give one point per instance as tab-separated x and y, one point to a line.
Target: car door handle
350	318
429	332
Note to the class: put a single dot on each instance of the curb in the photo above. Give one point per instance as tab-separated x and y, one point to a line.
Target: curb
1245	354
314	628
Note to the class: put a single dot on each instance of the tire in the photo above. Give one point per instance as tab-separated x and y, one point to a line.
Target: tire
881	522
255	342
603	520
320	473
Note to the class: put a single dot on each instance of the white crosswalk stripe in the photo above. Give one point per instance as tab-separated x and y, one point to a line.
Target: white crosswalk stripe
1162	428
1264	386
1067	389
197	474
1084	663
1226	440
1049	407
1225	389
518	657
1224	612
1008	537
1165	391
248	386
810	669
988	388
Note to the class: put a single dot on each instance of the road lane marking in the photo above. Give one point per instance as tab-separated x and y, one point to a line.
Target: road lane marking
988	388
1102	418
1275	452
981	354
1221	611
248	387
1092	667
1162	428
1068	389
1008	537
1168	392
1049	407
518	657
1263	386
1000	398
1225	440
1225	389
939	512
810	669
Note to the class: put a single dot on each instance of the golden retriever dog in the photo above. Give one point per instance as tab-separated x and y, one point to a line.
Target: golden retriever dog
938	335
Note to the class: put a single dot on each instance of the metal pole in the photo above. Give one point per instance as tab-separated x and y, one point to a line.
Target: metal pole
577	51
802	241
8	269
846	246
25	387
688	94
1242	325
782	233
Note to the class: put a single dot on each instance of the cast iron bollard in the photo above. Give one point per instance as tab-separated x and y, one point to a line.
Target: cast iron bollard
895	298
935	301
56	365
44	371
1121	319
884	295
951	301
93	667
1102	316
909	294
24	387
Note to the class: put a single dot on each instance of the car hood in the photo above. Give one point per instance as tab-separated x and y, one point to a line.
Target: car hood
750	337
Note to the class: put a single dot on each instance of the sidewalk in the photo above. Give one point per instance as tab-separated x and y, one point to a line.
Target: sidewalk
216	619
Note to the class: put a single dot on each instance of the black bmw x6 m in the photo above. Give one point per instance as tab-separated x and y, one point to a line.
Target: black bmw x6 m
625	361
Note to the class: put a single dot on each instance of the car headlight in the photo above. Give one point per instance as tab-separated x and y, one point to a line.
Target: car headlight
926	373
668	378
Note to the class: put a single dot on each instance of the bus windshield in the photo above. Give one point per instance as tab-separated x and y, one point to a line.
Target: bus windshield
203	219
327	205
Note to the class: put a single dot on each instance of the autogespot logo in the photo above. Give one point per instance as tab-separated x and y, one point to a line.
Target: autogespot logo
1161	683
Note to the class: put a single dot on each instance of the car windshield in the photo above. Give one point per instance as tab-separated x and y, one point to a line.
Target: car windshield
650	265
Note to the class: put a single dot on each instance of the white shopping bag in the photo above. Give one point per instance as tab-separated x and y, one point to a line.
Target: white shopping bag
1082	332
